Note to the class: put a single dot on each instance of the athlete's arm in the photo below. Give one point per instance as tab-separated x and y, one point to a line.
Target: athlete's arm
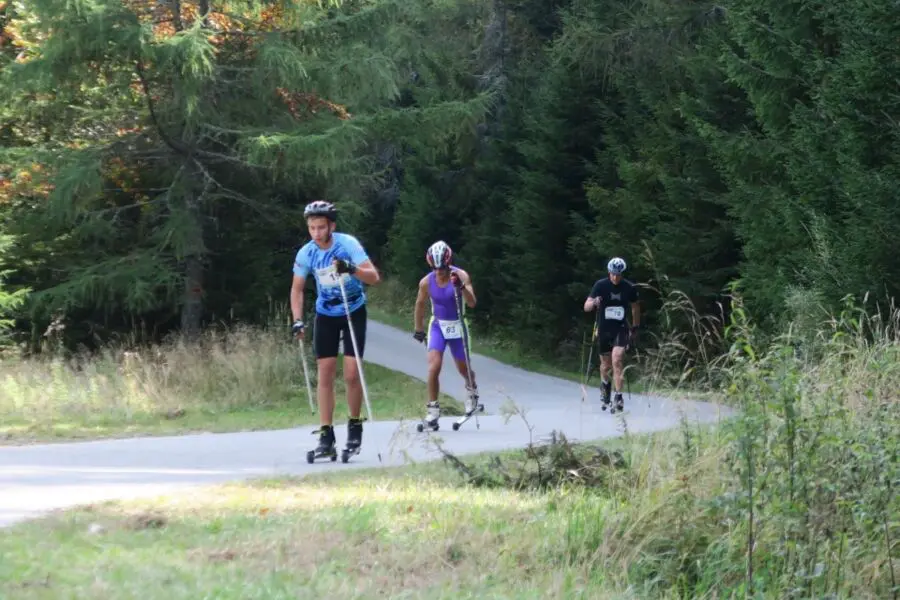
301	271
421	299
367	273
635	307
297	286
468	291
592	301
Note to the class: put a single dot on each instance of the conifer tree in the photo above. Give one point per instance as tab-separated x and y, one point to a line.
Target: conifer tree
151	118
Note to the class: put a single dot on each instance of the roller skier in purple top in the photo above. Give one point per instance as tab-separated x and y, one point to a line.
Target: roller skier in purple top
445	327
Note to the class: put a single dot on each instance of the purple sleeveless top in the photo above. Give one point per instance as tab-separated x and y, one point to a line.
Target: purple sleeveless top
442	302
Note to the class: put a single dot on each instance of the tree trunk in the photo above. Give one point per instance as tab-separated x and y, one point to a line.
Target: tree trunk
192	308
194	267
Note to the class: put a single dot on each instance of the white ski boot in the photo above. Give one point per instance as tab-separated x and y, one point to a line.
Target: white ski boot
472	406
431	419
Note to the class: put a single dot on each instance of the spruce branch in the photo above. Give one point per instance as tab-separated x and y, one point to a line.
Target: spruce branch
176	146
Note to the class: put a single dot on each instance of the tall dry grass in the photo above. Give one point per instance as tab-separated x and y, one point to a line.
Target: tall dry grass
238	367
795	497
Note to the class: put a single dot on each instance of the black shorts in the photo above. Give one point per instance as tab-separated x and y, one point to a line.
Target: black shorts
329	330
612	336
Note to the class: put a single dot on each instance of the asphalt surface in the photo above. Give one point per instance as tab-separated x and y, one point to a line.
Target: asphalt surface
39	478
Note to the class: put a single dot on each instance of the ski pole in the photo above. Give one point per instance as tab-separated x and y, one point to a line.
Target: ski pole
359	362
457	297
594	335
309	394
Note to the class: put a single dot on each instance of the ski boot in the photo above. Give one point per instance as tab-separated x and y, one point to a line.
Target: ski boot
619	404
325	447
472	406
607	393
431	419
354	438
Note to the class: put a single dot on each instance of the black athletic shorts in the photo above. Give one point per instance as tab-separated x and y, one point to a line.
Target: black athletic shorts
329	330
612	336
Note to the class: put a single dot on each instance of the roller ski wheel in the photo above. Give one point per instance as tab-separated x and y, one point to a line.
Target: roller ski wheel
432	425
325	449
458	423
346	453
431	419
354	439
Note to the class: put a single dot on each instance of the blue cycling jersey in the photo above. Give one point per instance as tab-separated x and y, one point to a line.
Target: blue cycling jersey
312	259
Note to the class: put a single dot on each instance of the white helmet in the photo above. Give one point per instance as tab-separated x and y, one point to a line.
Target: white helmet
616	266
439	255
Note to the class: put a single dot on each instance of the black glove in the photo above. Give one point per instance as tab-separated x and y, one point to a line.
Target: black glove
342	266
297	328
419	336
456	280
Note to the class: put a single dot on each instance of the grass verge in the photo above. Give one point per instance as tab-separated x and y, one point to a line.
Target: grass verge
239	380
653	516
794	498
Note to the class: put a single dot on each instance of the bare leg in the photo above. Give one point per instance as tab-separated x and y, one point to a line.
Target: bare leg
466	373
618	360
605	364
354	386
435	362
325	389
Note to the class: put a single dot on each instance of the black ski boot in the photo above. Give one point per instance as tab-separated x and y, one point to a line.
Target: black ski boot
607	392
325	447
620	404
354	438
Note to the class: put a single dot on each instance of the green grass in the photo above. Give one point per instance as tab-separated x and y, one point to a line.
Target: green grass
666	522
794	498
409	532
247	379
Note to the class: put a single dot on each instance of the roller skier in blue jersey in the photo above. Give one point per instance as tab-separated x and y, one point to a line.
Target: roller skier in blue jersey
331	257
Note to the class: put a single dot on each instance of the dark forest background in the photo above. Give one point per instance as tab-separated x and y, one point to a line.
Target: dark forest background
155	157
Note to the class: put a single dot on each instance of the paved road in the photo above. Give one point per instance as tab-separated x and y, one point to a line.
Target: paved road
35	479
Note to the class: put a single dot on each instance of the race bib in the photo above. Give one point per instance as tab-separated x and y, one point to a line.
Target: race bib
452	330
328	277
615	313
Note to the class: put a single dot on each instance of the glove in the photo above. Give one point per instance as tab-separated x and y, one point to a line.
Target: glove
342	266
455	280
297	328
419	336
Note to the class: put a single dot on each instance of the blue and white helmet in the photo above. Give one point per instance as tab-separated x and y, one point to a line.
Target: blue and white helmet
616	266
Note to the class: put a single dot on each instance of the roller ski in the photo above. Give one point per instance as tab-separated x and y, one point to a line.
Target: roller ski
472	407
354	439
325	449
615	405
431	419
605	394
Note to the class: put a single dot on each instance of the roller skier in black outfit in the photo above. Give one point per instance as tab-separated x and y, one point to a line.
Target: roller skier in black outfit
613	295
